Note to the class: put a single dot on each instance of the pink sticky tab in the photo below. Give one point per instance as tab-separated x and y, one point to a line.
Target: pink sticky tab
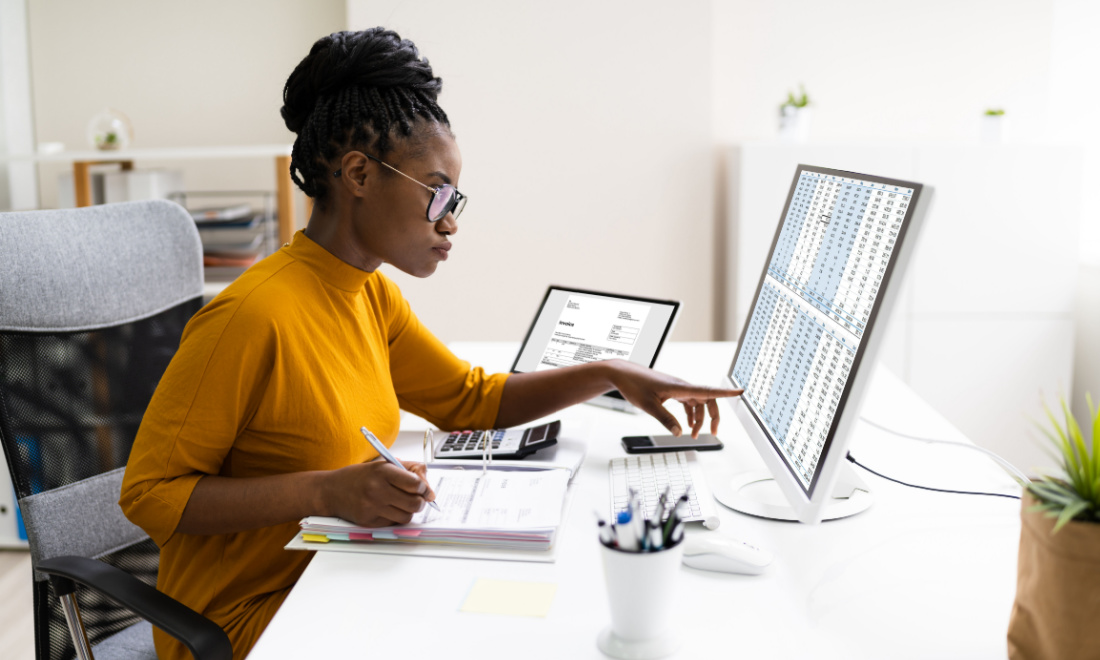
407	532
355	536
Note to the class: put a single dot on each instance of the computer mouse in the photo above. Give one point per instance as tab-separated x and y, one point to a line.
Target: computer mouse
715	552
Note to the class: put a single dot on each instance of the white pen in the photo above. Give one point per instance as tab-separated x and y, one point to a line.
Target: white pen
385	453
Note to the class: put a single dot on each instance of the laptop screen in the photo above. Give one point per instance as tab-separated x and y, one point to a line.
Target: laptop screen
574	326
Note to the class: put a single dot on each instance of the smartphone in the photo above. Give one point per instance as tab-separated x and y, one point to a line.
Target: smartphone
650	444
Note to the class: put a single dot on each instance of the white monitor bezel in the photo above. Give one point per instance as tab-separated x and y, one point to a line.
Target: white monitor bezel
808	504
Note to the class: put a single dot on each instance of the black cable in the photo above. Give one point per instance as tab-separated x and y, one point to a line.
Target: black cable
938	490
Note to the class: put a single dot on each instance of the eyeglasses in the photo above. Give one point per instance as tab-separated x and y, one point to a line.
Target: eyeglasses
445	199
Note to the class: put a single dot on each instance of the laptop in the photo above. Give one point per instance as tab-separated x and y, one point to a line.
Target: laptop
577	326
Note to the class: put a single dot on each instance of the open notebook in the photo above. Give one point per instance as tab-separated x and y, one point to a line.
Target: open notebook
503	514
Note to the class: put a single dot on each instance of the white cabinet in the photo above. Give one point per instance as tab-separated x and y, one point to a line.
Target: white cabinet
984	325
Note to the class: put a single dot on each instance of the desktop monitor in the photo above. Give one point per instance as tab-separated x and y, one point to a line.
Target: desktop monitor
807	349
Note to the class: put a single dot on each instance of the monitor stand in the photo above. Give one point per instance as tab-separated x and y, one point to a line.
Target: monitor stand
757	494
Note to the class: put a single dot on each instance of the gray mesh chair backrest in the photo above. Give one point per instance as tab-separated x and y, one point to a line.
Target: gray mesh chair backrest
92	305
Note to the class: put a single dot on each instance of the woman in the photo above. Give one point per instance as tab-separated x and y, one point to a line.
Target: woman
255	422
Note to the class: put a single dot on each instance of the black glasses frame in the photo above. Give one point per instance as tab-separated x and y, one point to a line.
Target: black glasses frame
455	206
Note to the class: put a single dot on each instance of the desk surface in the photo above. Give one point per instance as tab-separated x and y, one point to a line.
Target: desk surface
919	575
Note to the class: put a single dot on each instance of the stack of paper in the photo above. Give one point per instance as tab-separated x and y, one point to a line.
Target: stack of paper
501	509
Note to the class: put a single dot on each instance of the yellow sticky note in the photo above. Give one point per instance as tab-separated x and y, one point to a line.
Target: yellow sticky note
315	538
510	597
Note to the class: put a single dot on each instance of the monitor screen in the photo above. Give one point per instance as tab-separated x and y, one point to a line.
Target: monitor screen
574	326
815	307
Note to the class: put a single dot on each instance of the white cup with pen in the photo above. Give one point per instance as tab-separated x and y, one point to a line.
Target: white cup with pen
641	556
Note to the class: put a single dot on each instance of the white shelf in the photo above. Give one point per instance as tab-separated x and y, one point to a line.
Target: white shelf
167	153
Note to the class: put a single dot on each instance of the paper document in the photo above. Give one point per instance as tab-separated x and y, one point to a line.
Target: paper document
495	500
591	329
518	510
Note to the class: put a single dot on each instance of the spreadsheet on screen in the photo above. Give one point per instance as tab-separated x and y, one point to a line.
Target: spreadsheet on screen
814	307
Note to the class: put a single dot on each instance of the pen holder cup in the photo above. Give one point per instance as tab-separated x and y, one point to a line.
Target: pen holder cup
641	589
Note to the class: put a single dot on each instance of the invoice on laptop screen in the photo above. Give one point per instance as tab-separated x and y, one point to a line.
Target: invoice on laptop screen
574	326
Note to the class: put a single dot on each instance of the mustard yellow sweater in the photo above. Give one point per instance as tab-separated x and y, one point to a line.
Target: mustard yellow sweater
276	375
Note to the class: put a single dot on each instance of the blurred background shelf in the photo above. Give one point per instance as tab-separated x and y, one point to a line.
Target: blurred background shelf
83	162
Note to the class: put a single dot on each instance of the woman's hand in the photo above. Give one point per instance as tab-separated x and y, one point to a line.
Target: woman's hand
536	394
647	390
376	494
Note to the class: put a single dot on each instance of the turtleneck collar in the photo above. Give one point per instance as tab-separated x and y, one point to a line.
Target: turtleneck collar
326	265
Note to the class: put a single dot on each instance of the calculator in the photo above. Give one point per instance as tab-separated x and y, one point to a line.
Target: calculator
506	443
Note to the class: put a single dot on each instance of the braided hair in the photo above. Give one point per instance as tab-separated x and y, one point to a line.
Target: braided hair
355	89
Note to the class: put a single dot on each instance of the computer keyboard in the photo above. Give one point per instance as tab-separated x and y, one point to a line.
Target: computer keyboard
650	474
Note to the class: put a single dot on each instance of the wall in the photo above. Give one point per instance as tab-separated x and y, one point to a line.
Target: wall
586	144
196	73
18	181
1074	98
950	61
1035	58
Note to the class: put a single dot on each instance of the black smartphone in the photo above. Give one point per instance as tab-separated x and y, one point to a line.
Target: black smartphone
651	444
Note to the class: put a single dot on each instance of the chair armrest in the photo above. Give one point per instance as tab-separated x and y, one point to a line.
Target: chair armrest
205	639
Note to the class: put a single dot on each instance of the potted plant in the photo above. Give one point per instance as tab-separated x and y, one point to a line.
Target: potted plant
110	130
794	116
1058	570
994	126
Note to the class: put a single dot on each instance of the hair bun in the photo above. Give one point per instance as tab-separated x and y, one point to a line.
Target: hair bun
374	58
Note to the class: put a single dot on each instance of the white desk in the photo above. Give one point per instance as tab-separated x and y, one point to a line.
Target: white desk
919	575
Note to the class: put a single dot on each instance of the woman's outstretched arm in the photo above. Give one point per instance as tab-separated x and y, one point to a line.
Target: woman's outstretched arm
533	395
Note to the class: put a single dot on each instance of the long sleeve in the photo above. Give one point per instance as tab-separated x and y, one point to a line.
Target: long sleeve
430	381
209	392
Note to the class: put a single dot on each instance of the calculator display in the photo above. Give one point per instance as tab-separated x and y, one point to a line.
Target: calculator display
816	305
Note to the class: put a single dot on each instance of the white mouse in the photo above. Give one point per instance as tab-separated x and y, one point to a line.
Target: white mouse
714	552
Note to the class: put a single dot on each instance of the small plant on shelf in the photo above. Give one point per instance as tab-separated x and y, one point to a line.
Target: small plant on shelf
801	100
107	141
994	112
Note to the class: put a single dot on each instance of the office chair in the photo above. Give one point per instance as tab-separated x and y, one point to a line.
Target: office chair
92	305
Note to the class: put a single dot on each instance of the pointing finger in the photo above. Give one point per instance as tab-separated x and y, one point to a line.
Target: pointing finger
701	392
712	406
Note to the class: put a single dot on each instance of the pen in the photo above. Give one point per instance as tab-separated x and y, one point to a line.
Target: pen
638	522
677	533
605	533
674	517
654	531
659	512
627	540
385	453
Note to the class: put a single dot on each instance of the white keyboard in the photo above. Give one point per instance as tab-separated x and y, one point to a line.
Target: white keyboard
649	474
